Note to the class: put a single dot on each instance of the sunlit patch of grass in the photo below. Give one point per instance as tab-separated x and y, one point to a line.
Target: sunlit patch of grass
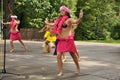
104	41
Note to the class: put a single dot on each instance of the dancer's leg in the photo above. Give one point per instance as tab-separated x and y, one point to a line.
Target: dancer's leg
78	55
56	42
75	59
12	46
60	64
64	57
23	45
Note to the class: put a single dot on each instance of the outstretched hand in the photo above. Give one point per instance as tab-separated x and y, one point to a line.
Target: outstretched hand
46	20
2	22
40	31
81	13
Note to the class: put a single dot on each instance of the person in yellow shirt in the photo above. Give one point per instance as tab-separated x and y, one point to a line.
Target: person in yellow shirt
49	37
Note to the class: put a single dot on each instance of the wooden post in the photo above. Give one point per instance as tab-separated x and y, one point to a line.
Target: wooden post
1	52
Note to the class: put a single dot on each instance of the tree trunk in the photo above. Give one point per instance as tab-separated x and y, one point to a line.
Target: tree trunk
7	9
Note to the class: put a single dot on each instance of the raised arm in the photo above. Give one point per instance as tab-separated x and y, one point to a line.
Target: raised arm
43	29
48	23
17	21
76	22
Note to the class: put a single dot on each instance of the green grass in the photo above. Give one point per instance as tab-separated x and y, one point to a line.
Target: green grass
104	41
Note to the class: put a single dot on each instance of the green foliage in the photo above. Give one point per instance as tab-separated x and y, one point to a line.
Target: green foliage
100	21
1	10
99	18
32	13
104	41
55	5
115	31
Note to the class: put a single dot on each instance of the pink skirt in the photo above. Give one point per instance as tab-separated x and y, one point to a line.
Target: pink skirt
66	45
15	36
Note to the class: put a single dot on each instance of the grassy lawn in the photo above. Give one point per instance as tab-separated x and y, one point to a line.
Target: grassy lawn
104	41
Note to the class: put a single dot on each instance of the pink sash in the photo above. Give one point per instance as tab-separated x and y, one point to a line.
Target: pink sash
13	24
58	24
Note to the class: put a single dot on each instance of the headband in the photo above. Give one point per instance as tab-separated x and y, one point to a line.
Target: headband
13	16
64	8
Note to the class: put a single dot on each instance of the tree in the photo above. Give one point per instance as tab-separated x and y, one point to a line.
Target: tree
32	13
99	18
115	31
55	5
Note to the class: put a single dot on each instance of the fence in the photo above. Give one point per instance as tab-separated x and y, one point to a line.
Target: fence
31	34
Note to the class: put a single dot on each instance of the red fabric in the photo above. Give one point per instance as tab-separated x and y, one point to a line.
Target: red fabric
13	24
58	24
66	44
15	36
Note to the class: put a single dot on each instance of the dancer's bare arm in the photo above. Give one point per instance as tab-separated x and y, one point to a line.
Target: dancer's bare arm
43	29
76	22
49	24
6	22
17	21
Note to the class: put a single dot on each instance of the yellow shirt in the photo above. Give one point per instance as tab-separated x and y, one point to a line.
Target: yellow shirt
48	37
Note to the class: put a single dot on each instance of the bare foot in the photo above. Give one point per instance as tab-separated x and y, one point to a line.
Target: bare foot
26	49
64	60
12	50
60	74
77	72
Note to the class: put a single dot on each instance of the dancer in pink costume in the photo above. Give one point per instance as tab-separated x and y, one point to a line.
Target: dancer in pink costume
14	32
63	28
